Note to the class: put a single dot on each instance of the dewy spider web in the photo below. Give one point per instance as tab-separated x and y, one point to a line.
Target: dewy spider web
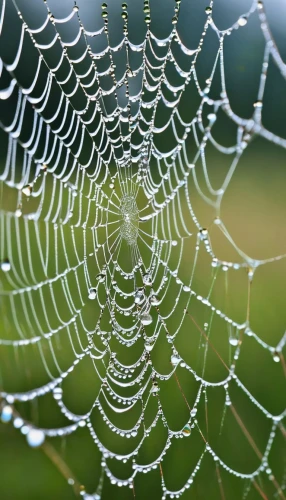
106	148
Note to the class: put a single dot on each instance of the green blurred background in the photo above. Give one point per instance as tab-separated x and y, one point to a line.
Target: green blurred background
252	210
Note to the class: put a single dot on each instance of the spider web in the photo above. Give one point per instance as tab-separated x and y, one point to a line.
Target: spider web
108	274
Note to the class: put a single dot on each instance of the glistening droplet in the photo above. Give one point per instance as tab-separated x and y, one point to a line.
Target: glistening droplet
149	347
233	341
35	438
155	388
146	319
27	190
276	357
186	431
154	300
6	414
92	293
242	21
139	297
57	393
5	265
147	280
212	117
18	422
175	359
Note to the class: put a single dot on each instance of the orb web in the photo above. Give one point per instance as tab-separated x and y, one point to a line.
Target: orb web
129	225
110	277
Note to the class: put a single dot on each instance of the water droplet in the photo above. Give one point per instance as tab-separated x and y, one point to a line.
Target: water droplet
147	279
57	393
75	8
146	319
212	117
258	104
92	293
146	9
27	190
124	6
139	297
175	359
124	15
18	212
203	233
25	429
35	437
174	243
6	414
149	347
154	300
276	357
193	412
104	14
18	422
208	10
233	341
186	431
155	387
242	21
186	288
104	6
5	265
